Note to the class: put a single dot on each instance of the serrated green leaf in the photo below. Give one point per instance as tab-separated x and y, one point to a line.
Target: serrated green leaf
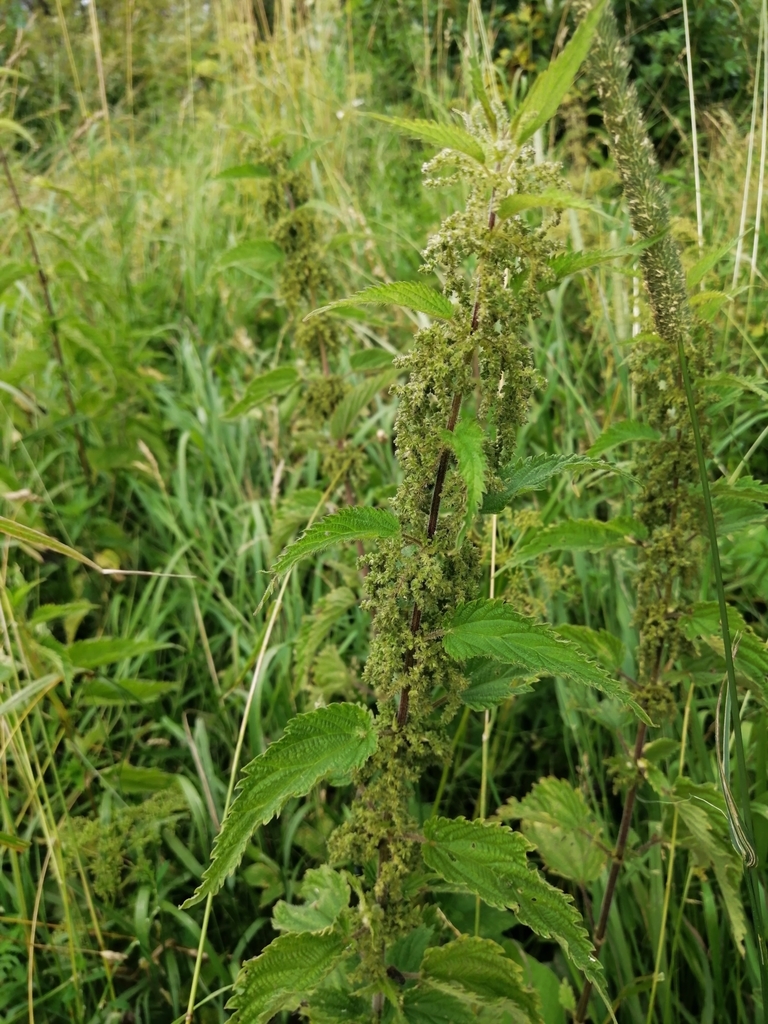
412	294
289	968
533	474
705	833
725	381
739	505
556	819
625	432
478	88
49	612
316	626
13	271
331	740
446	136
370	359
491	683
104	650
425	1005
325	892
353	403
467	444
356	523
262	388
489	860
261	251
548	90
334	1005
576	535
596	643
702	622
481	968
244	171
555	199
708	304
567	263
493	629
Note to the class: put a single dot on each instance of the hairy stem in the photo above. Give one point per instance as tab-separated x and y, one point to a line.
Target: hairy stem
610	889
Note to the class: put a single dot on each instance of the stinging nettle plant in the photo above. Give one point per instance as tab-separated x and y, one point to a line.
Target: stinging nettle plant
674	507
367	943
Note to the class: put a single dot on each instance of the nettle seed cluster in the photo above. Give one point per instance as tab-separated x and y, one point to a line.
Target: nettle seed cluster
304	281
474	365
670	506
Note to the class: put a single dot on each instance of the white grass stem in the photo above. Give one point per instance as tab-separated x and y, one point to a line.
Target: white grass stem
694	133
750	152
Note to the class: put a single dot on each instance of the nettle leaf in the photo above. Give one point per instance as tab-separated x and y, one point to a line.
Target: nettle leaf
370	359
467	444
325	892
548	90
596	643
534	474
491	683
412	294
359	522
431	1006
243	171
261	252
739	505
328	741
262	388
555	199
489	860
556	819
623	433
708	304
278	979
446	136
331	1005
493	629
350	407
705	833
724	383
703	623
316	627
481	968
567	263
577	535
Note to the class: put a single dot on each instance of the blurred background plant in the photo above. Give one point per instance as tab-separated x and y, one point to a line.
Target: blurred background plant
134	137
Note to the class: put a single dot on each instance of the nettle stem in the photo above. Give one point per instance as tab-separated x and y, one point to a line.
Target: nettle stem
618	861
437	494
434	512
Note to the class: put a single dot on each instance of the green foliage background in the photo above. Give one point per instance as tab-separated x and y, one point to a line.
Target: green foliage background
121	696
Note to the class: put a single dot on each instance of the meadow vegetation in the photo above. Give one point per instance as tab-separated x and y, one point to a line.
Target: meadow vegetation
392	426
